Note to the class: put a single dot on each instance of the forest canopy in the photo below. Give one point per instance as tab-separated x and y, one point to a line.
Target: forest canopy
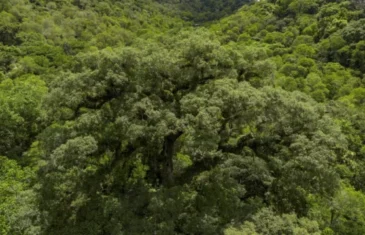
182	117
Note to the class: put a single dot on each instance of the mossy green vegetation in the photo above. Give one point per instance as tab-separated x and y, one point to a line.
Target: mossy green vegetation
182	117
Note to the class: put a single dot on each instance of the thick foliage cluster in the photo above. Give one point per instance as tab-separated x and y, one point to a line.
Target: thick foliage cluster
119	117
200	11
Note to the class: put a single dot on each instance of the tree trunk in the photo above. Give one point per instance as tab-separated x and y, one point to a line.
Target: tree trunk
167	154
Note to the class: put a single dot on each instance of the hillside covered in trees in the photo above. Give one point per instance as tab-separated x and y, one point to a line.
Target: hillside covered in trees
203	117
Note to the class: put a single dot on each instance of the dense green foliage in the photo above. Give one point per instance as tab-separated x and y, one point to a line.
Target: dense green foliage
201	11
127	117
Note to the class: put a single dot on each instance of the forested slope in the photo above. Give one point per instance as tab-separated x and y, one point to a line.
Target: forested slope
127	117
